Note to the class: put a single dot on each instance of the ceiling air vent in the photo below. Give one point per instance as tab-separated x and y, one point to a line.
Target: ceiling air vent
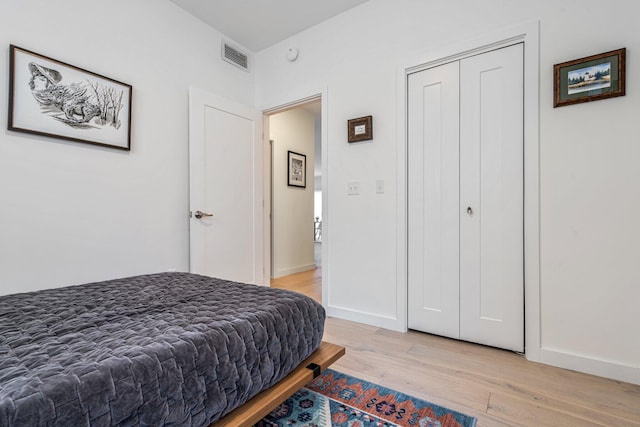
235	56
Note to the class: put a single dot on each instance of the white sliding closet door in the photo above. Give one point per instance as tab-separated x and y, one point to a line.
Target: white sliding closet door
491	185
433	190
465	196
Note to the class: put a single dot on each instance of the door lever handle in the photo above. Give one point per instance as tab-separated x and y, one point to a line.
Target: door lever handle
200	214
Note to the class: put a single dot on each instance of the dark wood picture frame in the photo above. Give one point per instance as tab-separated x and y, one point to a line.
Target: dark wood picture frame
51	98
360	129
296	169
590	78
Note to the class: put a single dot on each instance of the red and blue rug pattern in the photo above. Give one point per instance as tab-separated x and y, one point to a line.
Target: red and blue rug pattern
335	399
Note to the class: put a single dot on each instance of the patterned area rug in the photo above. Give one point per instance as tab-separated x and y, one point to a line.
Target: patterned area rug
335	399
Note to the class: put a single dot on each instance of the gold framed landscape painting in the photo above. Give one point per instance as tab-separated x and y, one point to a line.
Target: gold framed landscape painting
591	78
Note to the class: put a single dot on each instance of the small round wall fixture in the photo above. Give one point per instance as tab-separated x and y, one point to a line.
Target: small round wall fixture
292	54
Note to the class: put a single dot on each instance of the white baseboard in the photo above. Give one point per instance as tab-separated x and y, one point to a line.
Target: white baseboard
589	365
293	270
391	323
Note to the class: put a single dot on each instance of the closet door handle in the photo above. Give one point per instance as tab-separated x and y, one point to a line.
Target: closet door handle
200	214
469	211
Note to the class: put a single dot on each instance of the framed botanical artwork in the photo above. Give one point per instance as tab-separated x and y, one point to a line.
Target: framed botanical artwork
360	129
296	169
50	98
589	79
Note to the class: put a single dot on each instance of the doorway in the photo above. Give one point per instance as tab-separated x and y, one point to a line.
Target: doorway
296	203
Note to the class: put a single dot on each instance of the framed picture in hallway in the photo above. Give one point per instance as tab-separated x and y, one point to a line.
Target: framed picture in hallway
296	169
51	98
589	79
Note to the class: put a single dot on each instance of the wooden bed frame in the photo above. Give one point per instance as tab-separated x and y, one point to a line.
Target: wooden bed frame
257	408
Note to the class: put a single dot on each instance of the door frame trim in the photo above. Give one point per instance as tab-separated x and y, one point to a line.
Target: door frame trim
527	33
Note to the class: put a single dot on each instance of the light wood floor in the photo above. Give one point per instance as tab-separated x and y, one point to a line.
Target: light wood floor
498	387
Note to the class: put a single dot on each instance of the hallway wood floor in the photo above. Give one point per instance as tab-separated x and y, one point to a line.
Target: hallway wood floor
498	387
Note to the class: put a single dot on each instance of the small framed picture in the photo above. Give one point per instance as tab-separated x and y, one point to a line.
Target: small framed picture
296	170
589	79
360	129
51	98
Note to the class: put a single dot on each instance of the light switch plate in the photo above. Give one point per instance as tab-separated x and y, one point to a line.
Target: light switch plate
353	188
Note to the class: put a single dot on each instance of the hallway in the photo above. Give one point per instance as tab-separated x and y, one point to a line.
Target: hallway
307	282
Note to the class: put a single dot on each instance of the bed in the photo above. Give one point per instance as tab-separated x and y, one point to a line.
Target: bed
169	348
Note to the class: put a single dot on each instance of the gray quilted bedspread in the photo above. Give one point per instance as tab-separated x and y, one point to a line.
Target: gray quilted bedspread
162	349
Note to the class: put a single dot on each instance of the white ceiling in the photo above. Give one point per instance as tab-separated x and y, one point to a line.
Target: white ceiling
257	24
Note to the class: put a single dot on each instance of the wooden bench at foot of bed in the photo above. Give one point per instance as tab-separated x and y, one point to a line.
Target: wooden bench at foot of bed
263	403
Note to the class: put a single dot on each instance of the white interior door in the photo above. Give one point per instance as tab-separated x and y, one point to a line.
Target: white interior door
491	199
433	222
225	157
465	199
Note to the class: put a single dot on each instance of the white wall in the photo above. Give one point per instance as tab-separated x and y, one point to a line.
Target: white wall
589	154
292	237
71	212
317	170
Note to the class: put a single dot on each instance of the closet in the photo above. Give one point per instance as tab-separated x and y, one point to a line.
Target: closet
465	199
